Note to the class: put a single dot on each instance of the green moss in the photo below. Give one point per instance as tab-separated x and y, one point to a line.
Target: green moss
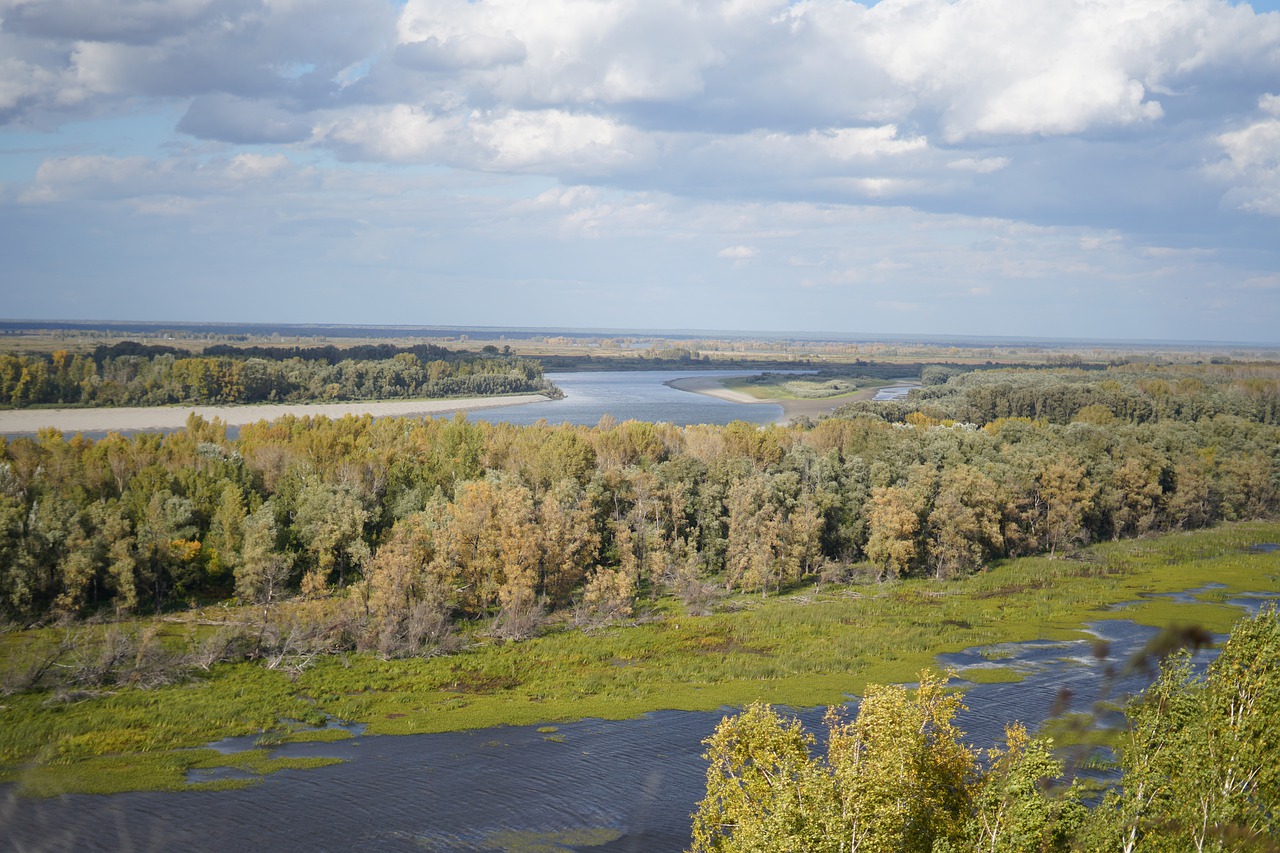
992	675
797	652
151	771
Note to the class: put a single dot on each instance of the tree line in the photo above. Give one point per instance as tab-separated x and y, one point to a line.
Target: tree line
506	523
1132	392
138	375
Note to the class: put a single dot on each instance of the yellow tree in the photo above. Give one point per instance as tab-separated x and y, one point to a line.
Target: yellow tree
765	791
893	519
964	525
1068	496
903	774
569	541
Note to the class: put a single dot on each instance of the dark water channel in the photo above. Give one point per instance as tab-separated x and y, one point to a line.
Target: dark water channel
591	786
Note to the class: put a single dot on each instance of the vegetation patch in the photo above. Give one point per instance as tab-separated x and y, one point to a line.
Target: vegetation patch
818	653
560	841
991	675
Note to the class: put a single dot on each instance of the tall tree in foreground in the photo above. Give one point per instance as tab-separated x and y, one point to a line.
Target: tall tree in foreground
895	779
1200	757
1199	763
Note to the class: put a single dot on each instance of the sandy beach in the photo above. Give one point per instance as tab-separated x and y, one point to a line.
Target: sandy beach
791	409
126	419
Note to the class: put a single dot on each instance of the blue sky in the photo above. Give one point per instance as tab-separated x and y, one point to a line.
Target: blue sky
1060	168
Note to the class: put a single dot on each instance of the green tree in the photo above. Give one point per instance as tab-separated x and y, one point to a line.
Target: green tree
261	568
1014	808
903	773
765	791
1199	755
330	521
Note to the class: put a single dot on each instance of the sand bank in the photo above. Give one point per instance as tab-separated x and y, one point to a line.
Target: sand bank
141	418
791	409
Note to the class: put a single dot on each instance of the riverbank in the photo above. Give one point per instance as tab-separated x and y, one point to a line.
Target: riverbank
797	650
792	408
142	418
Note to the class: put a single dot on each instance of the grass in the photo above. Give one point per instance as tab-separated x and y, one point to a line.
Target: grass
796	651
991	675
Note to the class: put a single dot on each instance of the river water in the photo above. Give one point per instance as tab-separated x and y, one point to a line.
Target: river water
632	395
624	395
592	786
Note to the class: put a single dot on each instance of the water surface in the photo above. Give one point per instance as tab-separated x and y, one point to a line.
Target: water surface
601	786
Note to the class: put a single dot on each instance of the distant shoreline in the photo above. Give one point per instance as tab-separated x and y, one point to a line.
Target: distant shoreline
143	418
791	409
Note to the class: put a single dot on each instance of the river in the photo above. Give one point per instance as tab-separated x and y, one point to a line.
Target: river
632	395
591	787
624	395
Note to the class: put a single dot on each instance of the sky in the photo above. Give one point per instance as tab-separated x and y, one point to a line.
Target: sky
1104	169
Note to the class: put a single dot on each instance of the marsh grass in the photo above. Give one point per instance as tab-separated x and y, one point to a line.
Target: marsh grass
799	651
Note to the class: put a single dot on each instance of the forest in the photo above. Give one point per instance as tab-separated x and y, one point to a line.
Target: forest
132	374
328	550
407	523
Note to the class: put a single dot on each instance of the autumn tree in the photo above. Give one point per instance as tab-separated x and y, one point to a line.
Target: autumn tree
261	568
903	773
964	527
893	522
1067	495
765	790
330	521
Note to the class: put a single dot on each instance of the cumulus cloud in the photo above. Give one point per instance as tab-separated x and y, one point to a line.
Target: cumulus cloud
1252	163
129	21
1056	112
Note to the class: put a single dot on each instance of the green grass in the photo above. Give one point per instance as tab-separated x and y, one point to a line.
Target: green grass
991	675
797	651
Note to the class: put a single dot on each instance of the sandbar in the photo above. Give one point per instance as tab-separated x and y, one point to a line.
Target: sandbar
143	418
791	409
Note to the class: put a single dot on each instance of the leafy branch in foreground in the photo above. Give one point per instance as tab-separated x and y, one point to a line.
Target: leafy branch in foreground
1198	760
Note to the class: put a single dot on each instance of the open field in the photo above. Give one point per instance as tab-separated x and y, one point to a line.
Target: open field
813	647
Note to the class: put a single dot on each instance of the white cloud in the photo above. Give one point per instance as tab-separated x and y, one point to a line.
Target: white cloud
103	178
978	141
1252	164
981	165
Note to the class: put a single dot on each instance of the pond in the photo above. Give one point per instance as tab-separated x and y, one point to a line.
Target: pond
593	786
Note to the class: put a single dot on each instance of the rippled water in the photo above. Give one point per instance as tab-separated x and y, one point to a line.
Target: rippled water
589	786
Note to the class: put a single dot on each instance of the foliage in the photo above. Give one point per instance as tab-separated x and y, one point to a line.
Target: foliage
250	669
133	374
1199	756
895	779
1198	760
